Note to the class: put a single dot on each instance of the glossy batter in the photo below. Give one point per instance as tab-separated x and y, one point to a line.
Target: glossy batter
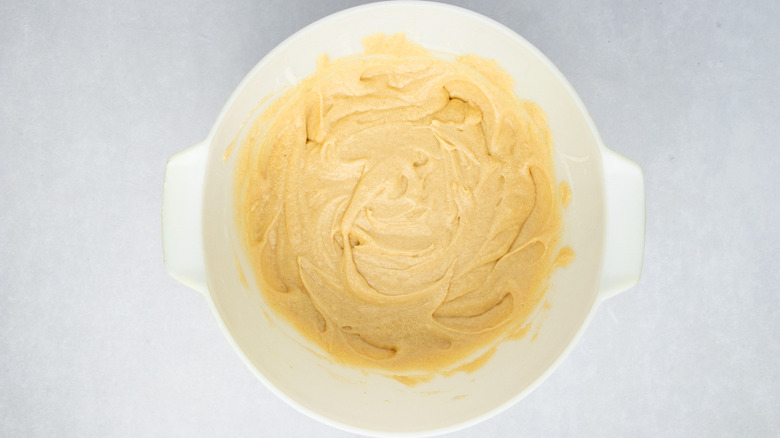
401	210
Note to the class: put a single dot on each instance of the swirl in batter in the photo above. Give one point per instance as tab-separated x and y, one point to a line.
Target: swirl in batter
400	209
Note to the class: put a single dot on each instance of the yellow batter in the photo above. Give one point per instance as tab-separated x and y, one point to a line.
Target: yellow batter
401	210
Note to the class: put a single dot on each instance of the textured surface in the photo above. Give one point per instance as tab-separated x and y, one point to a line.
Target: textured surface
402	212
97	340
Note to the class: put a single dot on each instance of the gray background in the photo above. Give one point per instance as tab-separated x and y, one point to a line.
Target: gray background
97	340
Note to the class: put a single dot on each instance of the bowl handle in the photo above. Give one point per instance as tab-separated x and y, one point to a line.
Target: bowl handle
182	216
624	240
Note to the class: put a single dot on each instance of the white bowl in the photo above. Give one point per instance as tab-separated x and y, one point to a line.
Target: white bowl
604	225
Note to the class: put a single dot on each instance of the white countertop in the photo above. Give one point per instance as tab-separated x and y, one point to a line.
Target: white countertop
97	340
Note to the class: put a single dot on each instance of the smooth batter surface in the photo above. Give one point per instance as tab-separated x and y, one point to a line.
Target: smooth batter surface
399	209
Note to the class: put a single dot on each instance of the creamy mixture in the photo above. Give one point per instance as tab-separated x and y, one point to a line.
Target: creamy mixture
401	210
